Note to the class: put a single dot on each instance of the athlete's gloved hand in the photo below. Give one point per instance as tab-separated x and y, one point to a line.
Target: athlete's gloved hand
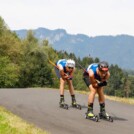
70	78
101	84
67	77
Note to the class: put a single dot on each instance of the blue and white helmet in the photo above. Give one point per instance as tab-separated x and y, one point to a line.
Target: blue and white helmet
70	63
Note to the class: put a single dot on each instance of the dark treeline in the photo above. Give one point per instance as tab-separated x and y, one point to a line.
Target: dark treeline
24	63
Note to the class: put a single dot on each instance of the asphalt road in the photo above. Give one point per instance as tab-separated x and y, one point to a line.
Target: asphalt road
41	108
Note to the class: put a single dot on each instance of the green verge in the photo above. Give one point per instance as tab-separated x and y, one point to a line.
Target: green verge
119	99
11	124
114	98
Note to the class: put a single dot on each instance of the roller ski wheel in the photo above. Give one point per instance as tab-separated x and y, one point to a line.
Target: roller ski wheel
64	106
76	106
105	117
93	118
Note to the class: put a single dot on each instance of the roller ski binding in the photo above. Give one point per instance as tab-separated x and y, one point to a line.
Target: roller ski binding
105	116
91	116
63	105
75	105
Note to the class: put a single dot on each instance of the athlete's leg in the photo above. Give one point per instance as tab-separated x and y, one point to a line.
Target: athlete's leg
71	90
91	98
70	86
62	83
101	99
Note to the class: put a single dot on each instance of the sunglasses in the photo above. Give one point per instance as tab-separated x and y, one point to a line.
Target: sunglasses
70	68
104	72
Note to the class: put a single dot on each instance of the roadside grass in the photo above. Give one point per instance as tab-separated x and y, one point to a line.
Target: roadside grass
114	98
119	99
11	124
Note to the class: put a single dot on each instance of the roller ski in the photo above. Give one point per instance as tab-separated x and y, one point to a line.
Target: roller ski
63	105
105	116
91	116
75	105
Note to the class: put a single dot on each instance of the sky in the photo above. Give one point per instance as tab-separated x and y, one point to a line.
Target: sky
90	17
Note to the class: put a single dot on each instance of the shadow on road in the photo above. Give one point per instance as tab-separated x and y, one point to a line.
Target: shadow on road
119	118
83	106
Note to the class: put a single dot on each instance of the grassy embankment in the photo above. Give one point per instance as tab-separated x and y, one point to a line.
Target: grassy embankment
123	100
114	98
11	124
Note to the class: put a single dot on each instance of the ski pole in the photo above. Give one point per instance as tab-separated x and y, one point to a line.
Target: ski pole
53	64
82	67
86	71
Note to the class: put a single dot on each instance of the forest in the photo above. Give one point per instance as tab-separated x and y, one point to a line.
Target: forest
24	63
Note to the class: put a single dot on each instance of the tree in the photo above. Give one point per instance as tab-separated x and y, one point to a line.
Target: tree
116	81
8	73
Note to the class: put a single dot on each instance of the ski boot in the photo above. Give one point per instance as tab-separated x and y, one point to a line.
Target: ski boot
63	105
105	116
90	115
75	105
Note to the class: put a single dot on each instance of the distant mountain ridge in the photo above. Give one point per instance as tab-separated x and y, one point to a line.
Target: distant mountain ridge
114	49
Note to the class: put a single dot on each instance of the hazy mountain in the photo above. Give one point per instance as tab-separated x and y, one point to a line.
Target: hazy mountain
114	49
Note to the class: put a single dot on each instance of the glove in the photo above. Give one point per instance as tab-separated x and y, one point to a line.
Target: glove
70	78
101	84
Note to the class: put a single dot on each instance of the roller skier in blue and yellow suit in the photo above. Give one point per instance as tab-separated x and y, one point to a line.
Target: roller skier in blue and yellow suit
64	71
95	77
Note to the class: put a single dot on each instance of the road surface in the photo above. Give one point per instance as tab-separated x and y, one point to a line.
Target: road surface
41	108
